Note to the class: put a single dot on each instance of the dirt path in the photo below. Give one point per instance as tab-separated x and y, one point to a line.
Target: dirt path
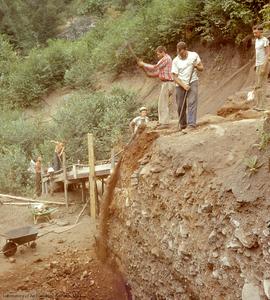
62	266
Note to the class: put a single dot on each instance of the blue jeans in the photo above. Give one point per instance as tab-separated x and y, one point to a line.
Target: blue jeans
189	110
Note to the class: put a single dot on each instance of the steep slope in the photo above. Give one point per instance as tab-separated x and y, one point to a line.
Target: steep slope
227	71
189	218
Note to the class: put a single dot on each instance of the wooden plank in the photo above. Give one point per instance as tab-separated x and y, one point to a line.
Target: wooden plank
92	179
81	212
74	170
65	178
112	160
83	191
29	199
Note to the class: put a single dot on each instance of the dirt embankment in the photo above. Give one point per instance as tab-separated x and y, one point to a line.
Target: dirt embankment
227	70
190	220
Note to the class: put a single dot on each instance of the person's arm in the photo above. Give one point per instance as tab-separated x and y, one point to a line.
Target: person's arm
267	54
132	125
152	68
198	63
180	82
199	66
61	152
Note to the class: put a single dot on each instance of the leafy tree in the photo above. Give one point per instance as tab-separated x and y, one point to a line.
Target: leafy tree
229	20
29	23
105	115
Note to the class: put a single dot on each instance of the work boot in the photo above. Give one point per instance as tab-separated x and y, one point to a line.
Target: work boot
189	128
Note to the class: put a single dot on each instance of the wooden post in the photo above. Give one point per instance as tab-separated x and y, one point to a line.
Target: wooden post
65	178
112	160
83	192
92	179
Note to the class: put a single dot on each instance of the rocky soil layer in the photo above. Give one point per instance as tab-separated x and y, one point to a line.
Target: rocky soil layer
190	215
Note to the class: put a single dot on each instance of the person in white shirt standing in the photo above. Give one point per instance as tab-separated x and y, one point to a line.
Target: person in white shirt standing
184	70
262	65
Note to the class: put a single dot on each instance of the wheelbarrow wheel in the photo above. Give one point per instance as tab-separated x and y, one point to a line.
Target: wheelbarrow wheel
9	249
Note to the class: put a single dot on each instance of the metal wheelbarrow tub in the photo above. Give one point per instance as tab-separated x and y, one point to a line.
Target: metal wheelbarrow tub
18	236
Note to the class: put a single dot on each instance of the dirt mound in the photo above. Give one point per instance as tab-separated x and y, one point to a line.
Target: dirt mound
190	222
71	275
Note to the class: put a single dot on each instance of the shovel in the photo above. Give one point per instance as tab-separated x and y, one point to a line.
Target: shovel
127	45
185	96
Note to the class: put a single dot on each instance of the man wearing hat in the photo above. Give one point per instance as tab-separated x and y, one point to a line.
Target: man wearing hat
140	120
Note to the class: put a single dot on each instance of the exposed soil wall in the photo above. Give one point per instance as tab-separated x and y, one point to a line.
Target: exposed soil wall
190	220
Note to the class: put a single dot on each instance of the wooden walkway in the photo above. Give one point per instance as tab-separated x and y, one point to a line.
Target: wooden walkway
76	173
80	174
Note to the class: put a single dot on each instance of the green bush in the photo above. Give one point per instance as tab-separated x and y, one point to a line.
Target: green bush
41	71
105	115
156	23
20	140
229	20
14	177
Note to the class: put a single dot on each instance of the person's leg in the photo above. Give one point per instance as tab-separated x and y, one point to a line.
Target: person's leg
163	105
172	103
265	104
38	184
193	103
181	109
260	86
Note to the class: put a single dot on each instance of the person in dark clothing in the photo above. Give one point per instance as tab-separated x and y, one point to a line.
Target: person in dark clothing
58	153
38	177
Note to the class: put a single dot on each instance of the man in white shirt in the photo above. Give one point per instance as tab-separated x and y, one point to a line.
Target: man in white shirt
184	70
262	57
140	120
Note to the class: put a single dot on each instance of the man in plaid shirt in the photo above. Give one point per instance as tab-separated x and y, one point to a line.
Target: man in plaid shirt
162	70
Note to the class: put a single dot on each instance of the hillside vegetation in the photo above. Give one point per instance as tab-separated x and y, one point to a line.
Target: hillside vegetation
34	62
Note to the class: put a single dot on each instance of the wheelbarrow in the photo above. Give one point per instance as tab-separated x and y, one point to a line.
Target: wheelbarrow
19	236
38	210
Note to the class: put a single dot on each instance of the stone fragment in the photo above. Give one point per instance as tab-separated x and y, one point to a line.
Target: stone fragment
212	237
266	232
84	275
179	172
247	239
266	287
156	169
233	244
235	223
215	254
91	283
183	231
53	264
62	223
12	260
216	274
187	195
225	261
205	208
250	292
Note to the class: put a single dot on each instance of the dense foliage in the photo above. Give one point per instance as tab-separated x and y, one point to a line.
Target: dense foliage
33	62
22	137
144	23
